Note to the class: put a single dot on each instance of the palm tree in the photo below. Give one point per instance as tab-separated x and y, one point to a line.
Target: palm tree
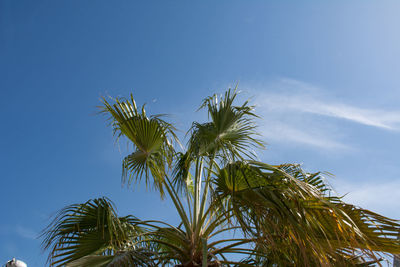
228	203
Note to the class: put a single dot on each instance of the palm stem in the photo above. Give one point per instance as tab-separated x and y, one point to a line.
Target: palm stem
207	183
197	188
175	199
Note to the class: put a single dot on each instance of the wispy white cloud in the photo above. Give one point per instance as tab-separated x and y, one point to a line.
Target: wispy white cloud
307	98
294	111
301	103
26	232
378	196
290	133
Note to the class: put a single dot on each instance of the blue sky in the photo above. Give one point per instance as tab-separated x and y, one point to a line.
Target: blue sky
324	76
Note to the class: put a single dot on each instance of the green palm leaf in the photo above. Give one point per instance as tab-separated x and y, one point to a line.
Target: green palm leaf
231	131
151	137
87	229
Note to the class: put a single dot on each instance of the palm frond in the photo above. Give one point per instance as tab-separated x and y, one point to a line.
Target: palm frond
231	131
294	220
152	140
91	228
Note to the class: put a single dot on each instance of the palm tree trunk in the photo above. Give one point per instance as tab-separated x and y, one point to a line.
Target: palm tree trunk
204	258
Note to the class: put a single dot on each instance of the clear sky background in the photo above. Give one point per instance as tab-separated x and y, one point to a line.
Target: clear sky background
325	77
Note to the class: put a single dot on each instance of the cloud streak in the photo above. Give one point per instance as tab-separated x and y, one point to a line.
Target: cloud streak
290	133
378	196
295	111
25	232
305	103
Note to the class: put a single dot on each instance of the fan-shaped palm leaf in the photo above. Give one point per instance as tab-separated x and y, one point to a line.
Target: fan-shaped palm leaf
91	228
231	131
151	137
